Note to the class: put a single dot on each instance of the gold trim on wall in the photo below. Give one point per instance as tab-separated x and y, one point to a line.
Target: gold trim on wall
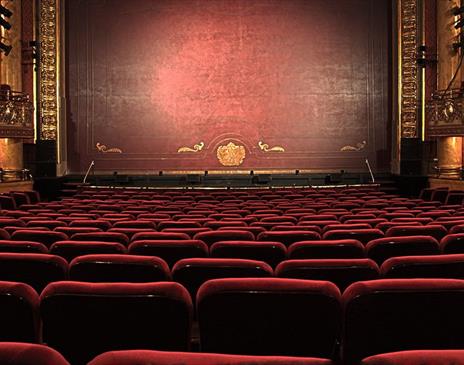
265	147
196	148
359	147
104	149
48	71
408	77
231	154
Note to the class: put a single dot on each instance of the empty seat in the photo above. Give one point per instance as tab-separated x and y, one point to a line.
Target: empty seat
72	249
159	236
19	317
45	237
134	224
388	315
269	252
417	357
269	316
339	226
133	357
224	235
436	266
69	231
98	223
169	250
22	246
192	273
288	237
361	235
178	224
102	236
118	268
50	224
341	272
20	353
327	249
436	231
34	269
382	249
82	320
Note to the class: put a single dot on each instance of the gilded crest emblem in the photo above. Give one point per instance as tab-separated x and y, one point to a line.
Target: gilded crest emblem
231	154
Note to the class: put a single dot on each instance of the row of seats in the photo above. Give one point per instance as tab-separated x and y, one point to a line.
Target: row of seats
39	270
31	354
249	316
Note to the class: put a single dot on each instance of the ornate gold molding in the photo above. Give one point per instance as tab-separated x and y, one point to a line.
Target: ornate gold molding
265	147
408	77
196	148
48	71
359	147
231	154
104	149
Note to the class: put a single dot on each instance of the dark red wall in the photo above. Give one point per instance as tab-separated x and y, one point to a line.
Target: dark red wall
148	77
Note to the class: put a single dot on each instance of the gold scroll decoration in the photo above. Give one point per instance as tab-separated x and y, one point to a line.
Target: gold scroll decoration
408	68
196	148
104	149
231	154
265	147
358	147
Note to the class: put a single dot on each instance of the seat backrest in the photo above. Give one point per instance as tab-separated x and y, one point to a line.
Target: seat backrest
101	236
327	249
22	246
288	237
19	353
417	357
388	315
269	316
341	272
82	320
72	249
434	266
437	231
118	268
45	237
192	273
362	235
224	235
19	317
131	357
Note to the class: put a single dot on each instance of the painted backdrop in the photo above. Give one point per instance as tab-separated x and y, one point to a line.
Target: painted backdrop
227	84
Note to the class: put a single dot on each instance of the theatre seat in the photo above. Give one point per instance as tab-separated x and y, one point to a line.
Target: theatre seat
45	237
101	236
145	357
327	249
388	315
436	231
82	320
224	235
383	248
269	252
34	269
288	237
341	272
19	315
118	268
269	316
192	273
435	266
170	251
361	235
417	357
20	353
22	246
72	249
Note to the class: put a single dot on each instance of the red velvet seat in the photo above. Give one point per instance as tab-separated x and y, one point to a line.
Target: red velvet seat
72	249
417	357
341	272
45	237
118	268
224	235
170	250
436	231
101	236
22	246
34	269
50	224
177	224
98	223
270	252
82	320
288	237
229	224
135	224
384	226
382	249
192	273
402	314
4	222
19	317
362	235
269	316
139	357
159	236
332	227
435	266
371	221
70	231
327	249
20	353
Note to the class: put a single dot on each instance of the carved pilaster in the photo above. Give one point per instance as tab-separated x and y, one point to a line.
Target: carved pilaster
48	75
408	72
